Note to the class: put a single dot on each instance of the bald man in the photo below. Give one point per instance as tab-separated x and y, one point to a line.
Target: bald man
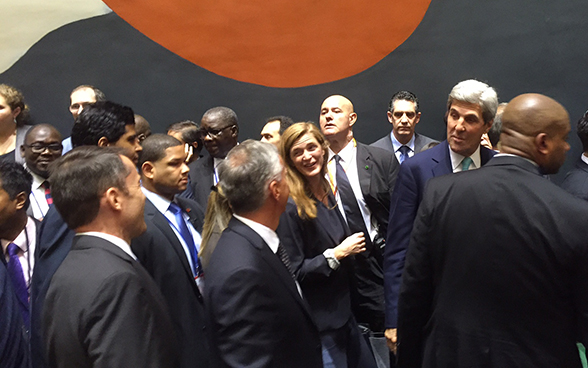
362	179
496	270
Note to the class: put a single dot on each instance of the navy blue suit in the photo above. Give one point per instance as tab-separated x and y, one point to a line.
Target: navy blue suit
413	175
576	181
14	350
54	243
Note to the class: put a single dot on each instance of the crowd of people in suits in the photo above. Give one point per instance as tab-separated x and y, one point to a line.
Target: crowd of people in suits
306	248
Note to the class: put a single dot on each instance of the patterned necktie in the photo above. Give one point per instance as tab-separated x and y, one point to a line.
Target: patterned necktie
465	164
16	273
281	252
403	153
188	239
47	193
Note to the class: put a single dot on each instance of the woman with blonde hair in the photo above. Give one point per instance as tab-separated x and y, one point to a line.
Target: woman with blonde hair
14	115
317	240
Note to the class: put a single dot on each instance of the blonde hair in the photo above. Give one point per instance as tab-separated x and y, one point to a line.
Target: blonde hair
15	99
217	217
299	189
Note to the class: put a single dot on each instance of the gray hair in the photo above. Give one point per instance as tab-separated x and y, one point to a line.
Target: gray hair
476	92
246	172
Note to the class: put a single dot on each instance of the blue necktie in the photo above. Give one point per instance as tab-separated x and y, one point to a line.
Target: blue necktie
16	273
465	163
403	153
188	239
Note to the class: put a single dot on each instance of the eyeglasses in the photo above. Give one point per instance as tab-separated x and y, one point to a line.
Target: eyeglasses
214	133
40	148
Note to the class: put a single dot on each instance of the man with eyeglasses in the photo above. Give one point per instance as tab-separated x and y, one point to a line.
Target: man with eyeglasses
220	130
42	146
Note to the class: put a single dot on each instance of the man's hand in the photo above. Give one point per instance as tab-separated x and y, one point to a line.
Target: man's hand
391	339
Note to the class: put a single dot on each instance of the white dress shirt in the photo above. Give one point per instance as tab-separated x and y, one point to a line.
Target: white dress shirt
37	197
456	160
26	242
349	163
122	244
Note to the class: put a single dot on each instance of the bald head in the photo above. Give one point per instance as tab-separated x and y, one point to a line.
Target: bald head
336	120
536	126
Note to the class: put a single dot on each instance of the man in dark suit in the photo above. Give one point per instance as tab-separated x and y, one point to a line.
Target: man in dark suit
257	315
220	130
362	178
404	114
18	232
471	107
101	124
169	254
496	269
102	308
576	181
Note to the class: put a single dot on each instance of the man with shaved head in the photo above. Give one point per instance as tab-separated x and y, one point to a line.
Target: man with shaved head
362	179
496	270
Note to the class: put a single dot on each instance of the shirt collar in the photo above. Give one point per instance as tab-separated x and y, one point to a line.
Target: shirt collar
511	155
456	159
346	153
162	204
23	238
267	234
397	144
113	239
584	158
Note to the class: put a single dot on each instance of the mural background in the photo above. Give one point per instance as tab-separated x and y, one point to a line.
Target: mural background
515	46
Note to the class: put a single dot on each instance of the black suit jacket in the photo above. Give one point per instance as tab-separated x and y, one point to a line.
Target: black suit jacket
104	310
327	291
54	243
576	181
495	273
256	314
420	141
162	255
376	170
202	179
413	175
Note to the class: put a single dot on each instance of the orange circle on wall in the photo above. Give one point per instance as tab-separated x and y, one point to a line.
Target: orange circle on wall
277	43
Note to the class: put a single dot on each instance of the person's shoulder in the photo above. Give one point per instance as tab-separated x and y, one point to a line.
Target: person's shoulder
383	143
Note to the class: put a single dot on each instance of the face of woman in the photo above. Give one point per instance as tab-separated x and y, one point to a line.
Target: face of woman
307	155
7	116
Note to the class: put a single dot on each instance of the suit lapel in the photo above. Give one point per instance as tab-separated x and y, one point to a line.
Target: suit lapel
271	259
158	219
442	160
364	168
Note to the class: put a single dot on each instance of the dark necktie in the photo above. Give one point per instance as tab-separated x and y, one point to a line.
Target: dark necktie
47	192
281	252
188	239
16	273
349	201
404	150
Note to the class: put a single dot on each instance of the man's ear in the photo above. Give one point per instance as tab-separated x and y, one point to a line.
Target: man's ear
112	196
352	119
489	126
418	118
148	170
542	144
389	114
103	142
22	151
235	131
21	199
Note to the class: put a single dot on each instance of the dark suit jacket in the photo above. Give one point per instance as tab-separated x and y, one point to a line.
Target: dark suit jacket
408	192
256	314
495	273
202	179
376	170
327	291
54	243
162	255
420	141
104	310
576	181
14	349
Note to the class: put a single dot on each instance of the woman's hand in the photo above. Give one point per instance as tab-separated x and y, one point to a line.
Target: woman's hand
351	245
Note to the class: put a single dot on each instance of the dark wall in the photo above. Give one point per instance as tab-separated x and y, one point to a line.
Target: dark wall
515	46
